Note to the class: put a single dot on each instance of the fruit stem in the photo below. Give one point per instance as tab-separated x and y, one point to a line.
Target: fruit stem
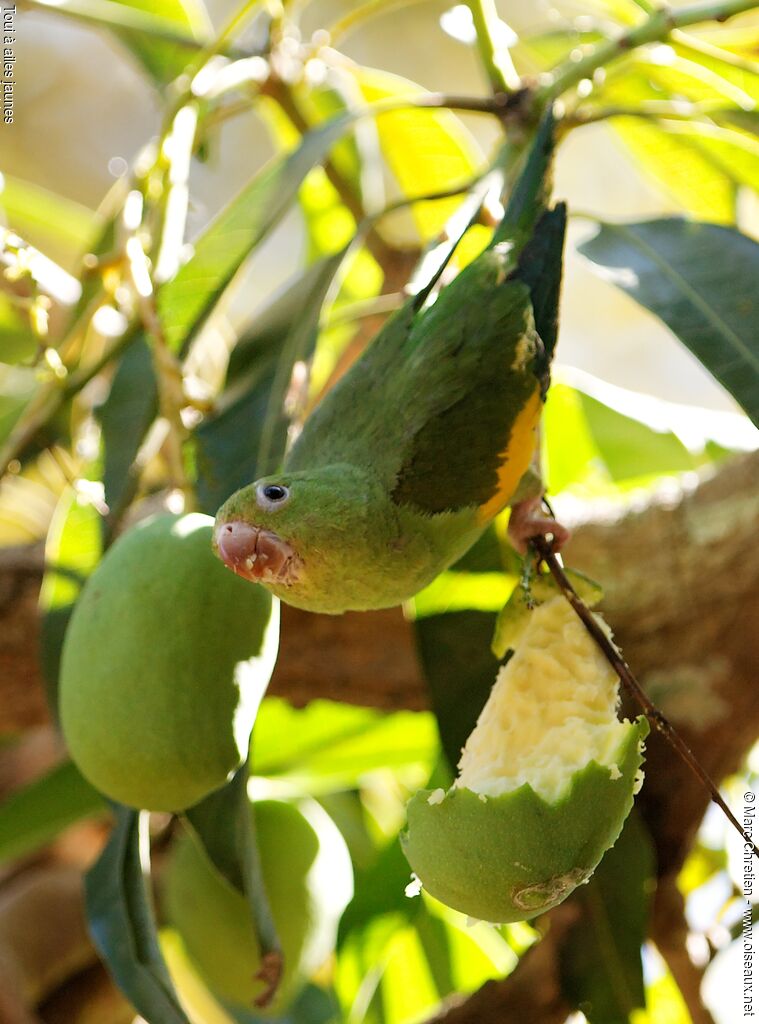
620	666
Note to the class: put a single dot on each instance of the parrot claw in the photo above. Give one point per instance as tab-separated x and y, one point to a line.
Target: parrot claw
527	521
258	555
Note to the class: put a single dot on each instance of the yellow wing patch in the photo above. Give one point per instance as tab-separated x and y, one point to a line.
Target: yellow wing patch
516	457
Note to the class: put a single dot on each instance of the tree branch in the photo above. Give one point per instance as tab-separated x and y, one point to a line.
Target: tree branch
656	28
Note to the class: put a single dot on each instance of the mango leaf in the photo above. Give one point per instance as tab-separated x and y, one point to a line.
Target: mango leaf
34	815
185	302
72	550
328	745
698	163
426	150
225	827
700	280
161	58
163	37
629	448
61	228
247	437
122	922
454	646
460	670
125	418
17	342
600	961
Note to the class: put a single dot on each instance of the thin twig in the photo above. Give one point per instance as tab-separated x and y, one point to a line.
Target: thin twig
495	57
620	666
657	27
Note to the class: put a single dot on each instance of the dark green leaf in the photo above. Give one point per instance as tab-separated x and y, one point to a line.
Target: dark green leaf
34	815
601	968
186	301
225	827
460	670
126	416
246	439
700	279
454	646
122	923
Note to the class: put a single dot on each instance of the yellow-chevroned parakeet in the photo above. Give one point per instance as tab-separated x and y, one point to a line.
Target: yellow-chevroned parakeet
425	439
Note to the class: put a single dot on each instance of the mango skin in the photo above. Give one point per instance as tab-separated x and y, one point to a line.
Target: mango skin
308	877
164	664
514	856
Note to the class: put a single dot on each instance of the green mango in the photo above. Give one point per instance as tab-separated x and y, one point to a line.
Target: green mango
308	878
164	664
546	780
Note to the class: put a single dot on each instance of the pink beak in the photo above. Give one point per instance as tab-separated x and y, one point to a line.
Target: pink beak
256	554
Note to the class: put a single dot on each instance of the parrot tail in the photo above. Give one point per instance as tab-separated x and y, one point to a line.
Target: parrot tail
540	268
530	194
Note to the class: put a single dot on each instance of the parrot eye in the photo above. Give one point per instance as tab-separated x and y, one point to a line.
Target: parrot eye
272	494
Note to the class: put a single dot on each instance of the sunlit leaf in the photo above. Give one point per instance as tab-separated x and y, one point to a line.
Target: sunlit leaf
629	448
163	37
700	279
17	342
162	59
329	745
185	302
60	227
35	815
426	150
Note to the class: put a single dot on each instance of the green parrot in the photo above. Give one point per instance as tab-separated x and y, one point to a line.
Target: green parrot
426	438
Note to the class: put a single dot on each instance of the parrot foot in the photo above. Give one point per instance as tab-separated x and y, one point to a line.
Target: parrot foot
527	521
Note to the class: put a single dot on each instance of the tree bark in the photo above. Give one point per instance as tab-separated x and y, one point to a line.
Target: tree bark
681	577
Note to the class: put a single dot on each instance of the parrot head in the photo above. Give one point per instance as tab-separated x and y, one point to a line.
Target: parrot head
314	537
248	533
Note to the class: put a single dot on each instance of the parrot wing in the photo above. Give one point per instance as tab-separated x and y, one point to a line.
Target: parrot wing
443	404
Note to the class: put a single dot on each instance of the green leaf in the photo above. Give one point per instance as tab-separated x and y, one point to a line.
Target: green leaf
427	150
185	302
36	814
59	227
246	438
631	449
328	745
454	646
162	59
122	923
17	342
460	670
700	279
698	164
162	40
125	417
601	969
225	828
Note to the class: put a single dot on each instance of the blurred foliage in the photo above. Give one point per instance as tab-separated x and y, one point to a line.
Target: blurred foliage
140	364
